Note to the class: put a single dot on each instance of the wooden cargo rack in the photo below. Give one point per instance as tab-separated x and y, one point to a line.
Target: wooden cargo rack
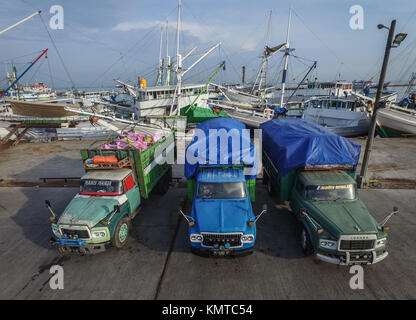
126	162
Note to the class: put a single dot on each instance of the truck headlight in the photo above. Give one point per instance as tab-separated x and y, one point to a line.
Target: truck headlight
55	230
248	238
328	244
195	238
381	242
99	234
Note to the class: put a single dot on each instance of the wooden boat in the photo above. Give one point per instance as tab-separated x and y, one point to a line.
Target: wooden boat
42	109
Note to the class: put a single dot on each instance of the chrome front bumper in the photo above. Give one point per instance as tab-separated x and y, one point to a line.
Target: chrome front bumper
77	246
348	261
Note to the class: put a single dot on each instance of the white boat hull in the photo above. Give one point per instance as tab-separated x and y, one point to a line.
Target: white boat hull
397	120
345	123
161	107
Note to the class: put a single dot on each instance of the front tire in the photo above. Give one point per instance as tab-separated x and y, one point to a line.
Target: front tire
163	185
265	177
270	188
305	242
121	233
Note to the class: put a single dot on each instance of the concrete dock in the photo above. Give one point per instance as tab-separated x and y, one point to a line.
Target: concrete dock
157	263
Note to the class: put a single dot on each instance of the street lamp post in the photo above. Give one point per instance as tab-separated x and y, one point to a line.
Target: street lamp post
362	179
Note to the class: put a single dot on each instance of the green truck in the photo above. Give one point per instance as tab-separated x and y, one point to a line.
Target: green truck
110	195
313	169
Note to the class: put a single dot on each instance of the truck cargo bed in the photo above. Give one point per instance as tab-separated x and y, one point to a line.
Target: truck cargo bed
145	164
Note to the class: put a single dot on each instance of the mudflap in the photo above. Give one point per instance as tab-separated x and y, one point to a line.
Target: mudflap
77	246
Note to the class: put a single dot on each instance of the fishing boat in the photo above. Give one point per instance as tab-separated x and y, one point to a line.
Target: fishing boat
157	100
166	98
394	121
258	93
343	117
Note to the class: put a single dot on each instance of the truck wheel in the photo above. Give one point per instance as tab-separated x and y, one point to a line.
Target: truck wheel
265	177
270	188
121	233
305	242
163	185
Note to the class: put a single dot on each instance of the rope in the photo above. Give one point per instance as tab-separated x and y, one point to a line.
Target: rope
37	70
57	51
50	72
121	57
317	37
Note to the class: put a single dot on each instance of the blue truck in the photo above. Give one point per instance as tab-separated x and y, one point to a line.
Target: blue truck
221	186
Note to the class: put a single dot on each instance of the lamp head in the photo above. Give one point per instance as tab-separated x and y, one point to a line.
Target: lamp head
399	38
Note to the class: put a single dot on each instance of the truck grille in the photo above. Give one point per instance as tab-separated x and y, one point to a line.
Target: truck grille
82	234
357	244
210	239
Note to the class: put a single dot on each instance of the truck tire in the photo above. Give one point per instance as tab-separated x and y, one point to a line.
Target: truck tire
270	188
305	242
163	185
121	233
265	177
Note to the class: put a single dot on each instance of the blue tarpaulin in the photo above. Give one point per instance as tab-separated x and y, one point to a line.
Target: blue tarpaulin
221	142
277	110
291	143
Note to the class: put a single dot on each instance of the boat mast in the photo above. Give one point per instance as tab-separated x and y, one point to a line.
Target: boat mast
23	73
168	62
262	73
287	51
410	85
160	69
20	22
178	69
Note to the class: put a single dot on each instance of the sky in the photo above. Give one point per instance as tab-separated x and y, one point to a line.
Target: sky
107	39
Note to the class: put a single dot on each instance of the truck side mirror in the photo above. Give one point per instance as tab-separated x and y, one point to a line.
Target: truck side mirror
302	212
383	223
257	217
189	219
48	205
117	208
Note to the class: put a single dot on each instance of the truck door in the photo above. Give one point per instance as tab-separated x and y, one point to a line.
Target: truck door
132	192
297	196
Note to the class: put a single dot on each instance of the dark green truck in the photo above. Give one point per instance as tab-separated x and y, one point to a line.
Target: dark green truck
314	171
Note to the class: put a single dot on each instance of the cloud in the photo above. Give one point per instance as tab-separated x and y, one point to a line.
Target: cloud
204	33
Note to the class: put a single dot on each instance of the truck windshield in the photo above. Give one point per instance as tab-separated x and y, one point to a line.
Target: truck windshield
222	190
101	187
340	192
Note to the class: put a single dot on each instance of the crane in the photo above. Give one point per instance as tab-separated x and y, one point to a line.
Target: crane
20	22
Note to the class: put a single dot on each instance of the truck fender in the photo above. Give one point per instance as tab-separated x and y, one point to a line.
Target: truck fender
308	228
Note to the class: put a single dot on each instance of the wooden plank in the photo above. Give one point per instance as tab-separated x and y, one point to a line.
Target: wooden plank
20	137
7	137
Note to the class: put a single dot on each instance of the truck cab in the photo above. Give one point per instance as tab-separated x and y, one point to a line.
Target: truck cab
335	223
100	214
222	221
